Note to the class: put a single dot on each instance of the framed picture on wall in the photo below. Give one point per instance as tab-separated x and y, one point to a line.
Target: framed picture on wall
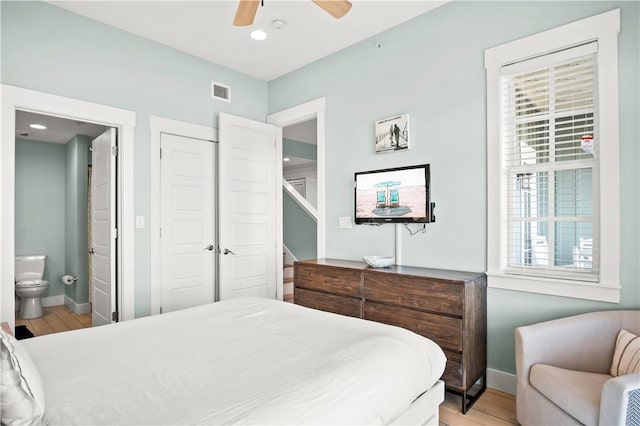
392	134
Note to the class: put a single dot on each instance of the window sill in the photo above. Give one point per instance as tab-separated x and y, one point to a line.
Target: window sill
555	287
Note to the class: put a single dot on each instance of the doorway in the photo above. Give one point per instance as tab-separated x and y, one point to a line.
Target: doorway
299	198
53	164
300	170
17	99
303	123
310	114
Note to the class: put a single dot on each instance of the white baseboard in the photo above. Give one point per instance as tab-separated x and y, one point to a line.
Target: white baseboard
499	380
77	308
53	300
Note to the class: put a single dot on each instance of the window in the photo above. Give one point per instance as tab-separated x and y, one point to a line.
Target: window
552	145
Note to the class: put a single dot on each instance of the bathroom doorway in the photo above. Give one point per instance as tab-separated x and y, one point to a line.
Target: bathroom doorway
53	199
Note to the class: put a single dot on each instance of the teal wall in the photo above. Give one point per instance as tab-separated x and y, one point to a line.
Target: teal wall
52	50
299	229
432	68
76	261
299	149
40	206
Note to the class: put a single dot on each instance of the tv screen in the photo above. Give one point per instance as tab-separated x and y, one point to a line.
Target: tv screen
397	195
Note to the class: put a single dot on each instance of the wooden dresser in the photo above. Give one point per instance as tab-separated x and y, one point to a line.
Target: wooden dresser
448	307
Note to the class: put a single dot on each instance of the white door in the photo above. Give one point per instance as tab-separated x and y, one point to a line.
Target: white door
249	161
187	221
103	232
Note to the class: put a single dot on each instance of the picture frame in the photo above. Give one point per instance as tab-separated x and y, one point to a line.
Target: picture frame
392	134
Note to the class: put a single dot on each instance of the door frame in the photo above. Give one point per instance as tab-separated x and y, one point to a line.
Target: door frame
158	126
297	114
14	98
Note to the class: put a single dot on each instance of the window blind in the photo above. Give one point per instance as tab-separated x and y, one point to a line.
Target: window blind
550	163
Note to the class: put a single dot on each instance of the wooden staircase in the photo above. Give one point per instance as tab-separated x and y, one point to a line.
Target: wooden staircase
287	283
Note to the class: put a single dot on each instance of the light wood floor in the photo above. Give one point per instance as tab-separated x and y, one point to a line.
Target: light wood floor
54	320
493	408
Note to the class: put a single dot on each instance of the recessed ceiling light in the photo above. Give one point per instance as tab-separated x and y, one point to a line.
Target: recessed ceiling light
258	35
286	159
37	126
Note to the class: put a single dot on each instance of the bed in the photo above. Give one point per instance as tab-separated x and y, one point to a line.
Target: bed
242	361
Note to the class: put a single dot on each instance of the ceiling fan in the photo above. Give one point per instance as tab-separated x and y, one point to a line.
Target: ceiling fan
247	9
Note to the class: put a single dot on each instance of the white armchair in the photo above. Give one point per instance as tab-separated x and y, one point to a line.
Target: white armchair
563	369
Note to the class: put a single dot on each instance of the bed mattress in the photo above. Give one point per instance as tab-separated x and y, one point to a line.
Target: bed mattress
242	361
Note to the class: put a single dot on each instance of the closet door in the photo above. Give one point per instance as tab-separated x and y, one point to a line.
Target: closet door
250	194
187	241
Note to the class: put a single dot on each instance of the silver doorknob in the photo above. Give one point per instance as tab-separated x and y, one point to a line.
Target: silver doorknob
92	251
209	247
227	251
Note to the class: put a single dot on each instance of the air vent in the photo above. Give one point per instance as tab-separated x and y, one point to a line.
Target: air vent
220	92
23	133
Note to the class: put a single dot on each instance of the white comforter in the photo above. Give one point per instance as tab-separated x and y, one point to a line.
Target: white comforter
247	361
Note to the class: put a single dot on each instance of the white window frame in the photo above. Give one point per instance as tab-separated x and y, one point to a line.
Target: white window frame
603	28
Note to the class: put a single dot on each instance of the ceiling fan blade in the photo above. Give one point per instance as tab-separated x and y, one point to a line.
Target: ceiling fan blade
246	12
336	8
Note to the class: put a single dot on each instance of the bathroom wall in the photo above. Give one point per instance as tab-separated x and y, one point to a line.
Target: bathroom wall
40	206
76	261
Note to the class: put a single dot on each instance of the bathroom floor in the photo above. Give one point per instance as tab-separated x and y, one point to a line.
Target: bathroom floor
54	320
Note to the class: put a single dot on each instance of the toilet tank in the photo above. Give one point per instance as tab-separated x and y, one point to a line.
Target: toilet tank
29	267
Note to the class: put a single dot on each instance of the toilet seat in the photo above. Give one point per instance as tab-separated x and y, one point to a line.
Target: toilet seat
32	283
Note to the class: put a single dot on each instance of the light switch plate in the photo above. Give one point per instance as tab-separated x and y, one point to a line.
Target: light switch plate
139	222
344	222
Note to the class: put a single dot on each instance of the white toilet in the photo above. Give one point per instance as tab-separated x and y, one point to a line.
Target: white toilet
29	284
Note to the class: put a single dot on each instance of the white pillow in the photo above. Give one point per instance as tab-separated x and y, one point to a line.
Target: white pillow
21	389
626	356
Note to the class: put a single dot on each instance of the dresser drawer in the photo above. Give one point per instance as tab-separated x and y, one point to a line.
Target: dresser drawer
328	302
333	280
453	370
415	292
445	331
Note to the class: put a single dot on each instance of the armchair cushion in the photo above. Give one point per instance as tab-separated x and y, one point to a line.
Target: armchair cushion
576	392
626	356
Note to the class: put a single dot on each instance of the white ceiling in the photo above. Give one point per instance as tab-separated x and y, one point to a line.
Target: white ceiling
204	28
306	131
58	130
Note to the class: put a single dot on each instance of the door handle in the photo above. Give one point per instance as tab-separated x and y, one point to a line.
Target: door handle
209	247
92	251
227	251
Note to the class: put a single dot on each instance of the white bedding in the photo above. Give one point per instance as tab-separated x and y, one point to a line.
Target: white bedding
247	361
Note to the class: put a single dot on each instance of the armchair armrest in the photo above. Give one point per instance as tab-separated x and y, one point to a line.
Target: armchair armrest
614	402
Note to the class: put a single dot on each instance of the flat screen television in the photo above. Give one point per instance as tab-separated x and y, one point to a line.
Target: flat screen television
396	195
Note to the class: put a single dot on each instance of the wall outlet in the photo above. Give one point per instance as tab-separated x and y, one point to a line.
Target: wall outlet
344	222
